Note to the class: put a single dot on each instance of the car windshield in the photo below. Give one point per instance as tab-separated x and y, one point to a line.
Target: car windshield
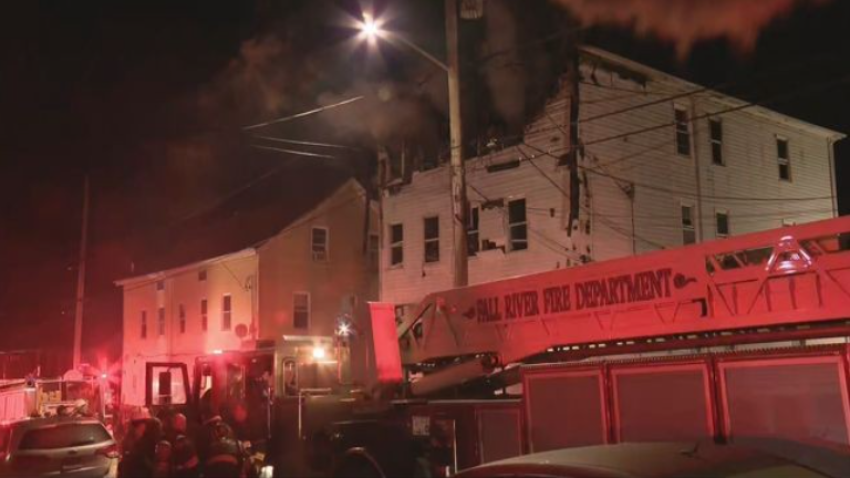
64	436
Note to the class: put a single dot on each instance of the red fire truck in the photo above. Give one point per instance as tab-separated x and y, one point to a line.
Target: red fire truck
741	337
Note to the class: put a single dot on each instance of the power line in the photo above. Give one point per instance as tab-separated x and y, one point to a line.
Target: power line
601	217
304	114
306	143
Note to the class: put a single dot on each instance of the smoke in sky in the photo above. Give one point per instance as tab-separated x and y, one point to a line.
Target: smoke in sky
686	22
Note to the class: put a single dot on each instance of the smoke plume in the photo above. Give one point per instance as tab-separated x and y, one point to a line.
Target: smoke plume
686	22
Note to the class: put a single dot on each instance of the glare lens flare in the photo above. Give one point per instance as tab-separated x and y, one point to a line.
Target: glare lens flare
370	28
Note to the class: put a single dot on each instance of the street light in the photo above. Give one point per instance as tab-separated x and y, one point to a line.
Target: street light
372	29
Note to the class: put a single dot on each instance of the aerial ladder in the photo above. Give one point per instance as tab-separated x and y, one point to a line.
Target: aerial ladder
569	339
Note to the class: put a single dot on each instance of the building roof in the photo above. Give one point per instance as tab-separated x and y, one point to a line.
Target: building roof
718	97
239	229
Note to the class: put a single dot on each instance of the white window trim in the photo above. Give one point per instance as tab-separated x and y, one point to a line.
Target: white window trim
202	314
712	141
694	222
228	294
426	241
327	257
718	212
776	140
477	231
161	319
393	245
309	309
676	108
182	325
509	246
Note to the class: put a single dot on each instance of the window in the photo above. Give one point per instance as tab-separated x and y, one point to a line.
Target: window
683	132
160	321
722	223
319	245
204	317
517	225
301	310
716	132
64	436
144	332
472	236
396	244
160	285
689	232
374	251
202	275
226	312
432	239
182	316
784	159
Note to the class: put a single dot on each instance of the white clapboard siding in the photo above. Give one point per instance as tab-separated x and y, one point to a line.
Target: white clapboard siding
634	182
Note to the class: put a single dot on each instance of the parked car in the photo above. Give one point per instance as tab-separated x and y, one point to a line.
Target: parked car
746	458
70	447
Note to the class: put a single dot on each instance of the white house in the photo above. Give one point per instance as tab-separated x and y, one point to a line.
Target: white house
664	163
297	281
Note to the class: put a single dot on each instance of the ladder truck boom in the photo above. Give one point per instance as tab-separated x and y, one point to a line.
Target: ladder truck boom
771	279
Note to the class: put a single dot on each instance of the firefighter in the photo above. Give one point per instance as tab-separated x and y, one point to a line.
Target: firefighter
162	460
225	457
140	446
186	462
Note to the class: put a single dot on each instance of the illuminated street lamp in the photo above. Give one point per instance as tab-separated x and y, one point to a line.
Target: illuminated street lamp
371	29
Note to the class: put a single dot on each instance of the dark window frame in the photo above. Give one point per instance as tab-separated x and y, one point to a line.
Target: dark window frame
682	120
715	128
396	242
205	316
160	321
688	224
301	314
783	158
431	239
226	312
473	231
320	251
517	226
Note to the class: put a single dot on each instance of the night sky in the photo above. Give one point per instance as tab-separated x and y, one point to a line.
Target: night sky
149	98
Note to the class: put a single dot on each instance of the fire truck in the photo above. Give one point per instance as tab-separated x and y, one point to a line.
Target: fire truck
744	336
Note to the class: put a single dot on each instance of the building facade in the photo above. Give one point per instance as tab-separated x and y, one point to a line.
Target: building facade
297	282
662	163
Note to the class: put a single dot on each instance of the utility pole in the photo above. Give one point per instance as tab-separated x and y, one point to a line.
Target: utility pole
81	278
458	169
